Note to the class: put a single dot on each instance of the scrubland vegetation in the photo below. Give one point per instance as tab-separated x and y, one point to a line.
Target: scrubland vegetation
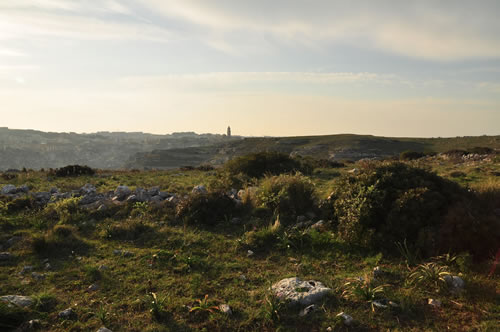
403	245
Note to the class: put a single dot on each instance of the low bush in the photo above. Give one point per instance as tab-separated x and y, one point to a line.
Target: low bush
65	211
73	170
62	239
411	155
206	209
391	202
260	164
21	204
287	195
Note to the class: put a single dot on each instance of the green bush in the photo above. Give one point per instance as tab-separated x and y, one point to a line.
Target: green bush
207	209
65	211
260	164
287	195
392	202
411	155
62	239
73	170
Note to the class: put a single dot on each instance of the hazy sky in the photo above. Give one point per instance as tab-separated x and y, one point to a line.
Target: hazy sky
280	67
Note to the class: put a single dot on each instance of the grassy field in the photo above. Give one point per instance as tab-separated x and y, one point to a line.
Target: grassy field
139	251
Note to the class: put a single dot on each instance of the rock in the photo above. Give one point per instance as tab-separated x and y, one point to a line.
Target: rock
319	225
24	189
455	282
19	300
38	276
54	190
172	199
9	189
117	252
103	329
164	194
154	191
67	314
310	215
224	308
377	272
128	253
6	256
379	304
307	310
156	199
47	266
91	198
93	288
236	221
122	192
88	189
249	253
27	268
434	303
353	171
303	292
346	318
102	207
242	277
12	241
42	197
34	324
103	267
199	190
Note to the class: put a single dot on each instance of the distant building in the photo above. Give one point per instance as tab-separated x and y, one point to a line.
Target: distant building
228	131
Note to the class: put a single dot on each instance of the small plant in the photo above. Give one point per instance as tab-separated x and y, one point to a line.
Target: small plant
410	256
204	306
362	289
157	305
272	308
102	315
139	210
44	302
432	274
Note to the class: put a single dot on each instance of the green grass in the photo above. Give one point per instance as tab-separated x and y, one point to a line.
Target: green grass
180	264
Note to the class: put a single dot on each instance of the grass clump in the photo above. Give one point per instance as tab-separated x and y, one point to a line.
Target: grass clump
206	208
388	203
287	196
62	239
259	164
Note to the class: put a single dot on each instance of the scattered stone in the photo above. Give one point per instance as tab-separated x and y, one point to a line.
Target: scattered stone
320	225
47	266
88	189
304	292
122	192
38	276
103	329
353	171
329	329
54	190
224	308
127	253
27	268
154	191
307	310
24	189
379	304
117	252
67	314
242	277
249	253
377	272
164	194
93	288
455	282
5	256
199	190
103	267
434	303
9	189
346	318
19	300
34	324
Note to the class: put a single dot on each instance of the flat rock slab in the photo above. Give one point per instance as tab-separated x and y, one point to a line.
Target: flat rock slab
298	291
19	300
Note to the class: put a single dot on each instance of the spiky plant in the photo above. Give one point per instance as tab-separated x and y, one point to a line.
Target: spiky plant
432	274
204	306
363	289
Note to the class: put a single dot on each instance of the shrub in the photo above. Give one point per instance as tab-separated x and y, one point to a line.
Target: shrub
62	239
259	164
20	204
411	155
73	170
481	150
207	209
287	195
65	211
391	202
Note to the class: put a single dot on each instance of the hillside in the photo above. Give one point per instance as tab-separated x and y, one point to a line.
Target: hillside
336	147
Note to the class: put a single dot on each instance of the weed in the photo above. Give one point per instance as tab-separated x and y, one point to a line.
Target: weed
429	274
157	305
204	306
411	256
362	289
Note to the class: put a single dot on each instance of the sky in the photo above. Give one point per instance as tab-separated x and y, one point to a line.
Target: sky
279	68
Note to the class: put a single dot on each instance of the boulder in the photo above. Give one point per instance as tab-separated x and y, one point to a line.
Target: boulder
199	190
8	189
19	300
88	189
122	192
298	291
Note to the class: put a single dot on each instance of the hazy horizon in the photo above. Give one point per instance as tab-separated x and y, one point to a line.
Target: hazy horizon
281	68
